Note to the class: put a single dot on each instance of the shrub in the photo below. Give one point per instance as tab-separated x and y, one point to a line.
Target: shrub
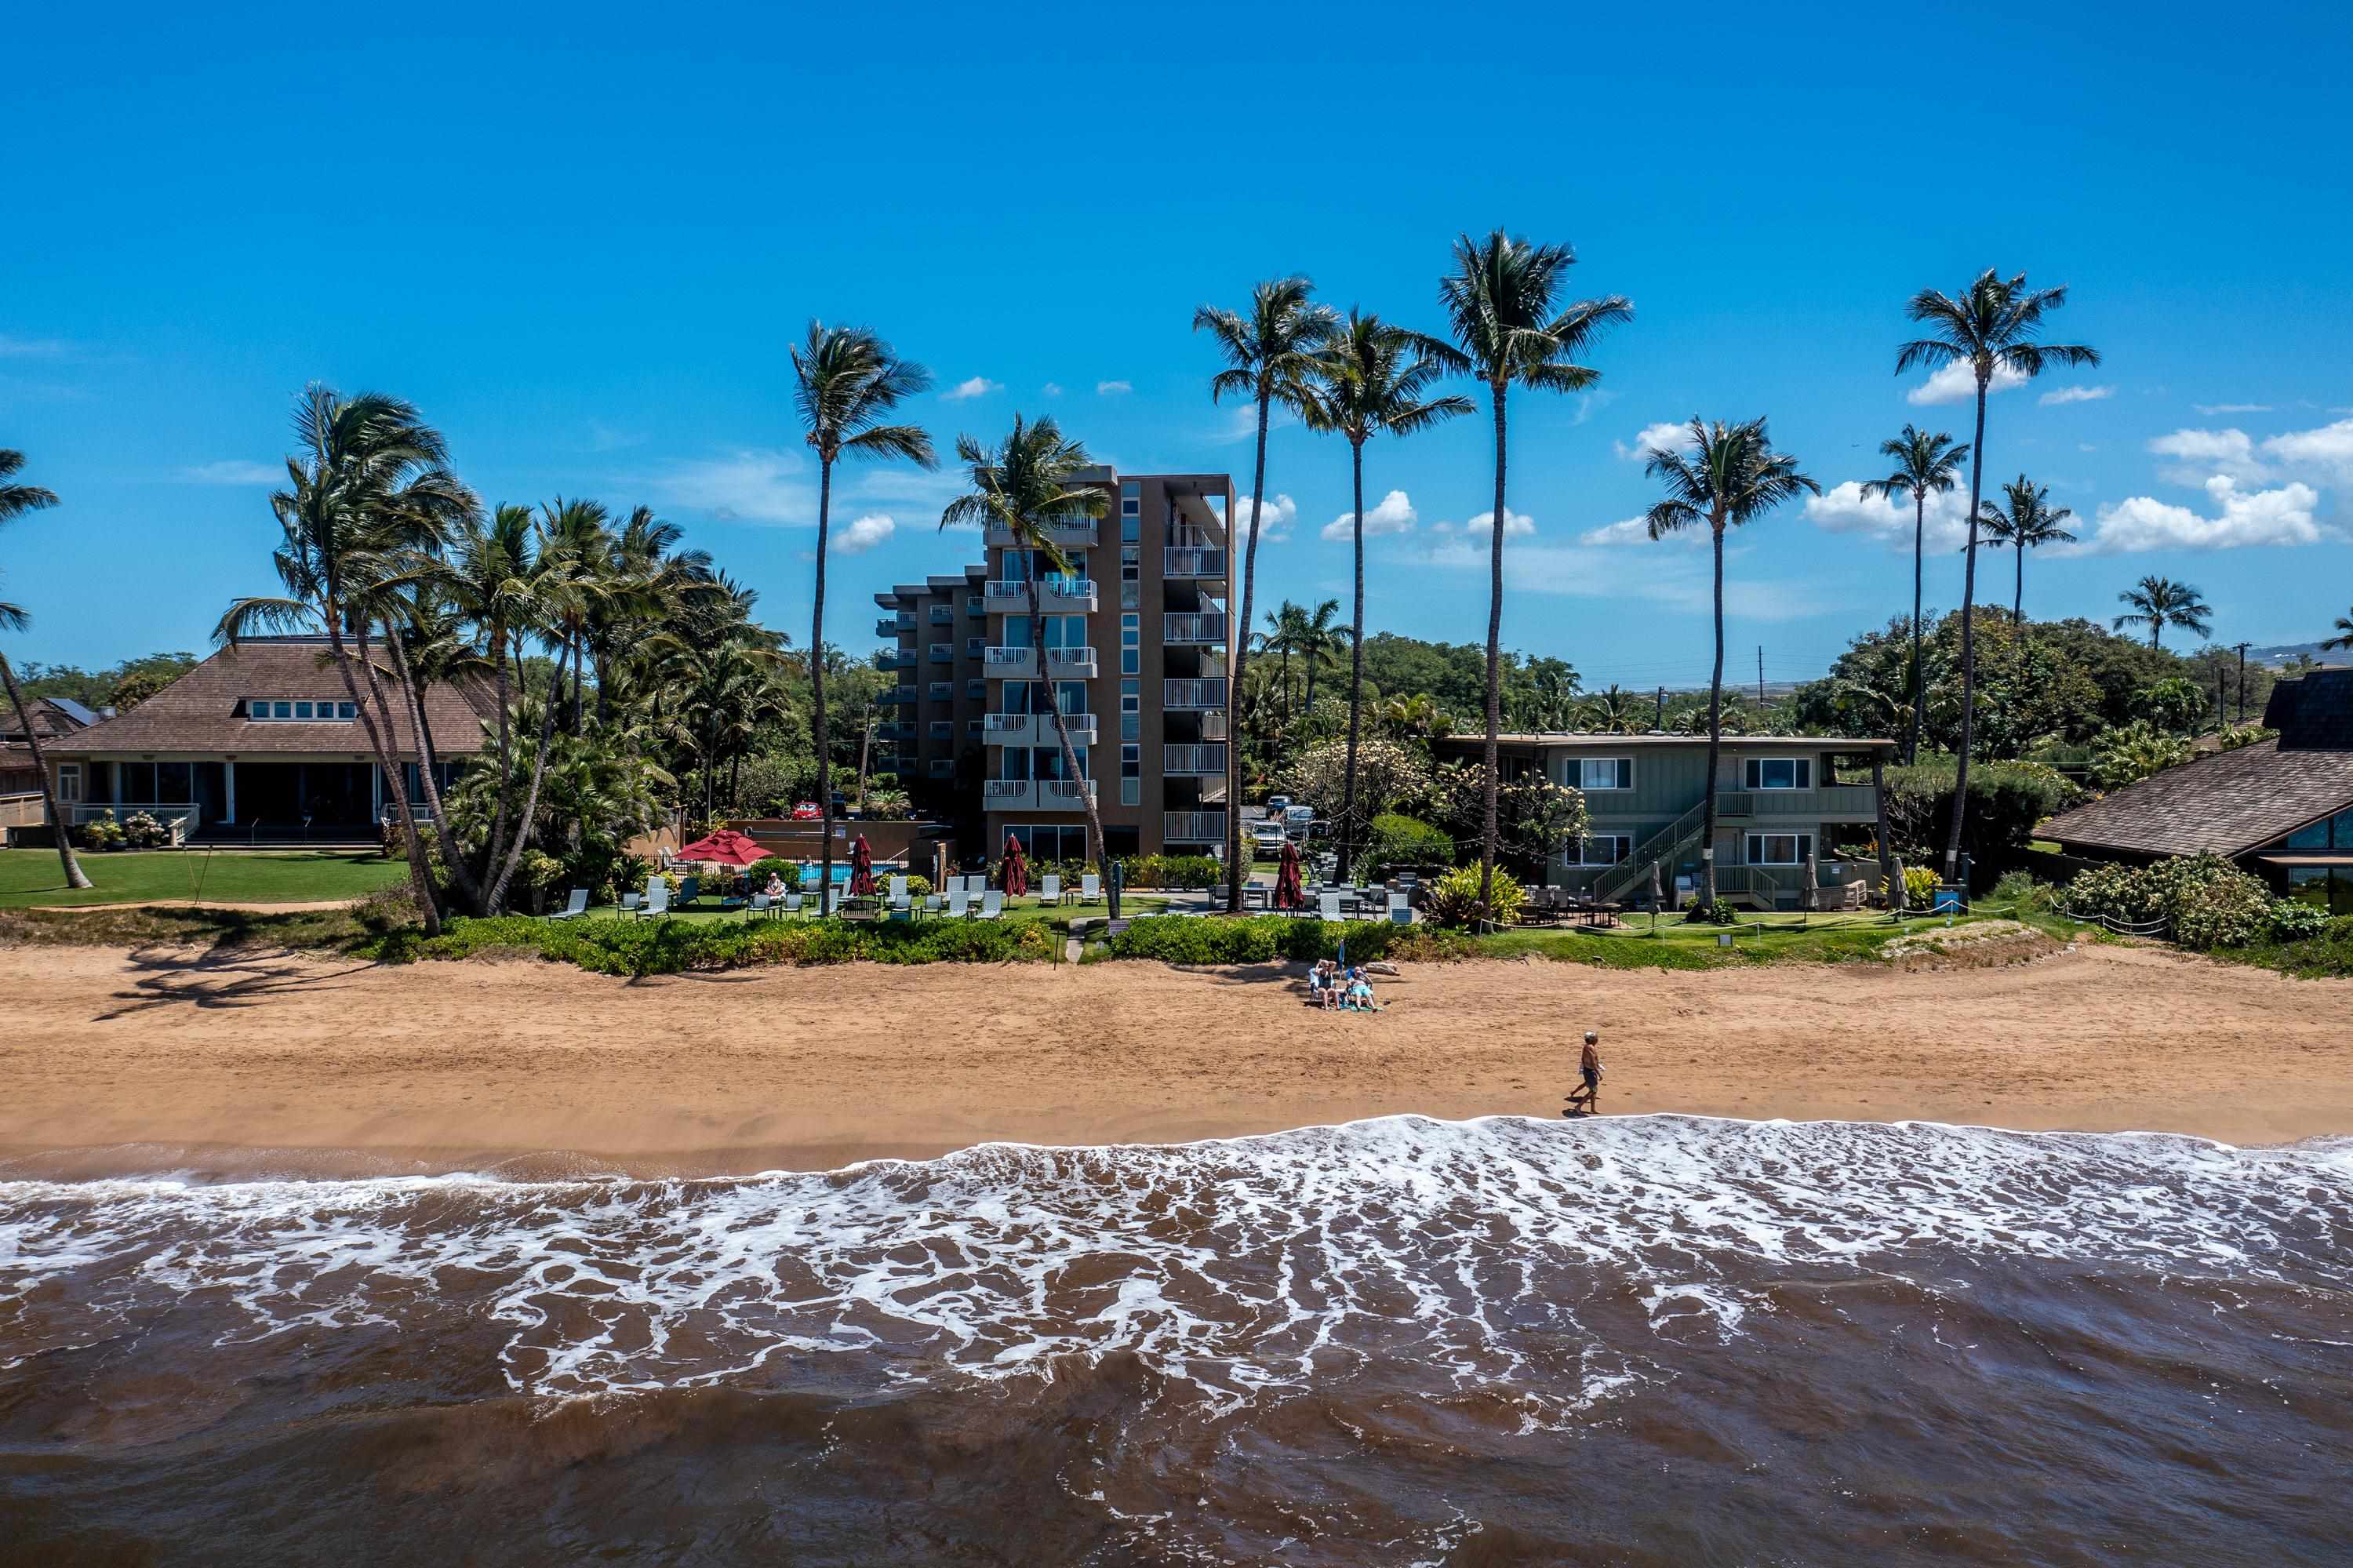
1254	939
1400	842
2206	900
102	834
1170	871
142	831
2292	919
2130	753
2021	888
634	947
1455	899
1919	886
537	877
2007	800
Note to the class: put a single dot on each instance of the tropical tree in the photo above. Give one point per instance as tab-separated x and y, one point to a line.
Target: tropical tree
1286	624
16	500
1320	642
1729	476
2160	602
1269	352
1994	326
1502	303
1416	714
2344	637
1614	710
846	384
1374	379
370	500
2028	522
1028	486
1926	465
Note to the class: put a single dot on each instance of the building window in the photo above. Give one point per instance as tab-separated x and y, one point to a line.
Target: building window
1590	773
2328	888
271	710
1131	644
1779	773
2333	834
1602	849
1781	849
1131	791
1130	704
68	782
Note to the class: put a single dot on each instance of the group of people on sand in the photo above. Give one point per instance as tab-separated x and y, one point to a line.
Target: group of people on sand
1337	990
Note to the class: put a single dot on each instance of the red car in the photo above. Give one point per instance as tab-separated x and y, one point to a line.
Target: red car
805	812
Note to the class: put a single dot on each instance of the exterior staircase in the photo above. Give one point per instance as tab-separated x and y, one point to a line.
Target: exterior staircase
1634	870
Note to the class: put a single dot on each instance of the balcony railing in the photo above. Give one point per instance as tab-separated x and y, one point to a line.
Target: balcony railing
1012	663
1185	562
1193	694
943	615
900	694
1849	802
895	658
1193	761
1193	827
887	626
1036	729
1056	594
1032	794
942	652
1065	536
1192	629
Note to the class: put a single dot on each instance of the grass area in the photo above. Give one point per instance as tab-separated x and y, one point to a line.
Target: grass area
2328	956
30	877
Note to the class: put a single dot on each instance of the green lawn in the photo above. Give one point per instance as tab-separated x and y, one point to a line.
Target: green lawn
32	877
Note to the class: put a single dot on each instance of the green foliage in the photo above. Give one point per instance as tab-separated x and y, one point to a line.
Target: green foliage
1455	899
2292	919
1388	776
2130	753
102	834
2234	736
1404	843
1919	886
635	948
2007	800
2021	889
2173	704
123	685
142	831
1254	939
2205	900
1533	816
537	879
1170	871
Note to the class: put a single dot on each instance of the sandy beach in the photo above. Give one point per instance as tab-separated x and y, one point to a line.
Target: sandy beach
166	1059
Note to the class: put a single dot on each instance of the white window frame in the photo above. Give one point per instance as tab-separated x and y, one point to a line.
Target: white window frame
1800	845
1802	773
1582	853
1623	767
68	783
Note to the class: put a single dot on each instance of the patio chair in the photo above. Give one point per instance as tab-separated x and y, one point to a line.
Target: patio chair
688	889
1050	890
992	905
631	902
796	905
574	908
657	899
1089	887
958	899
758	904
1327	905
1400	909
900	903
933	903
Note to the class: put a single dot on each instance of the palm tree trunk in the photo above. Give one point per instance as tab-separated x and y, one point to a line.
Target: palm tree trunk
496	899
1968	648
506	759
818	734
1240	666
1495	671
413	694
2018	604
377	723
1919	687
59	828
865	750
1355	665
1715	739
1076	774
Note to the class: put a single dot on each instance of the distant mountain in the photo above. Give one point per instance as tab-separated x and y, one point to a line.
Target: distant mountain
2286	653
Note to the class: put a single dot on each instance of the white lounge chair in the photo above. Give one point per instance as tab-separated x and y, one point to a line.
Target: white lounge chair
794	904
957	898
992	905
656	898
1400	909
758	905
1049	889
933	903
631	902
1089	887
900	903
575	906
1327	905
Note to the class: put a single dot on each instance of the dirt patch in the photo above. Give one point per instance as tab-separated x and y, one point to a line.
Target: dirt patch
1985	944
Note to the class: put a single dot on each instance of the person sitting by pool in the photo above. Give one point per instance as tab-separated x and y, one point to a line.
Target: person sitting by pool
775	889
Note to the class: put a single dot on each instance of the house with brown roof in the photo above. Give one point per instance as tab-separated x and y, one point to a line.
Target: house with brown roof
2282	808
260	742
54	718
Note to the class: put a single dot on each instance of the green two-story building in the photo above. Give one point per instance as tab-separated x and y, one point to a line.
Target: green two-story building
1784	803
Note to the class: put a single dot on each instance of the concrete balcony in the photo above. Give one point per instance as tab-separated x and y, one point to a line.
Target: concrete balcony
895	659
1193	695
1062	535
1181	561
888	627
900	694
1033	795
1056	595
1193	827
1036	729
942	653
1193	761
1021	663
941	691
1187	631
943	615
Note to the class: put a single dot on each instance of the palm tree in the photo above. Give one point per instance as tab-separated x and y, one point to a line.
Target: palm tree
1320	642
2344	637
1501	305
1372	380
2160	602
369	502
1286	625
16	500
1729	476
1614	710
847	383
1924	465
2028	524
1269	353
1993	326
1417	714
1030	485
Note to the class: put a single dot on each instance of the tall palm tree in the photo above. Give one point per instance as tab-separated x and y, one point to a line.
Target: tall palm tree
1502	305
1269	352
1320	642
1614	710
1730	475
1994	326
1926	465
1373	379
2344	637
1286	628
2160	602
2027	524
370	500
846	384
16	500
1028	486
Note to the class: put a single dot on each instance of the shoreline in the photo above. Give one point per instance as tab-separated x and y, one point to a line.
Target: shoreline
246	1063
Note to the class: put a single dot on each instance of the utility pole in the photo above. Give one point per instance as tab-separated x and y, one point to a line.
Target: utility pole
1760	677
1661	723
2242	681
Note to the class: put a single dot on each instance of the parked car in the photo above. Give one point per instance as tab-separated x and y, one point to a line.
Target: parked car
1269	840
806	811
1277	804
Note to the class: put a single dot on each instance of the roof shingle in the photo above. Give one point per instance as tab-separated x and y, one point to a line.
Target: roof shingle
2225	804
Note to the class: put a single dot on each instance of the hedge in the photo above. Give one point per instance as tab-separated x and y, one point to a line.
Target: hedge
635	948
1256	940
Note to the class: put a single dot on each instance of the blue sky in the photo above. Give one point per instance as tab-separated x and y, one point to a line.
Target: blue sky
581	239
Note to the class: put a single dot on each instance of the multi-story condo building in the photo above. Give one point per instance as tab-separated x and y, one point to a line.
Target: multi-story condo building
1135	650
940	631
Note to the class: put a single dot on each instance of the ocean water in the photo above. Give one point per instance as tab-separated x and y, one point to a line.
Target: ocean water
1653	1340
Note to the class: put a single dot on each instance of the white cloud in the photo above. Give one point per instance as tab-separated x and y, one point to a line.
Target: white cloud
233	470
33	347
751	486
1276	514
1395	514
1590	403
2076	395
864	533
1053	388
2211	409
1516	525
1660	437
1112	388
2197	454
1957	382
2327	450
1844	509
2282	516
972	386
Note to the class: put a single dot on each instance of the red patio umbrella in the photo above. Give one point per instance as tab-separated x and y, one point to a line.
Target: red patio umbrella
861	868
725	847
1288	894
1016	870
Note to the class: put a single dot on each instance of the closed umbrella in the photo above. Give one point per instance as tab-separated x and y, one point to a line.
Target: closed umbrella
1016	870
861	868
1288	894
1658	893
1813	882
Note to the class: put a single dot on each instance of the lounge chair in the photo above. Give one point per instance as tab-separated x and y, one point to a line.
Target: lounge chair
757	906
933	903
689	890
574	908
1400	909
657	899
1089	887
796	905
1050	890
631	902
1327	905
900	903
992	905
957	898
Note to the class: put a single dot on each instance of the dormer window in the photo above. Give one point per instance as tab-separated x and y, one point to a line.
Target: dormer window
297	710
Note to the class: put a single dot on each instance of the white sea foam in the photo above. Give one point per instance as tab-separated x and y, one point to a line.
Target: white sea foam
1479	1248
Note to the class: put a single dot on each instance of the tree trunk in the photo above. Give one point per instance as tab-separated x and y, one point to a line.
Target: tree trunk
1886	851
59	828
1494	672
817	693
578	638
2018	604
1714	735
1234	866
506	762
495	900
420	876
1355	665
1968	646
412	696
865	752
1075	773
1919	685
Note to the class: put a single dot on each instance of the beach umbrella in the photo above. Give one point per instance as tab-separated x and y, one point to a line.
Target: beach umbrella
1016	870
861	869
1288	894
1813	882
1895	885
1658	893
725	847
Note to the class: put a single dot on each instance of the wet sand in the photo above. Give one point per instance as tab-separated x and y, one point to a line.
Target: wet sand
246	1062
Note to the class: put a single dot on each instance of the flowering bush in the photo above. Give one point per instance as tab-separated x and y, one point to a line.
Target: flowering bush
2292	919
102	834
2207	901
142	831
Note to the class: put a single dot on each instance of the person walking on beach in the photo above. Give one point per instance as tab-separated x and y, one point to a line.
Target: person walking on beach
1587	1100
